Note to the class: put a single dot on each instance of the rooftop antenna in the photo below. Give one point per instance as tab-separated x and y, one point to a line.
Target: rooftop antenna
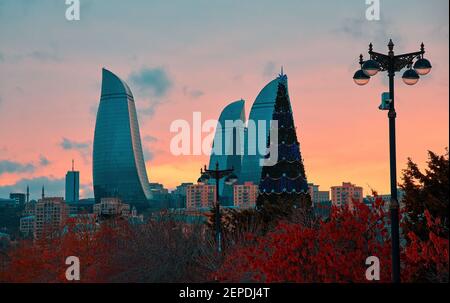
28	194
74	182
281	75
43	192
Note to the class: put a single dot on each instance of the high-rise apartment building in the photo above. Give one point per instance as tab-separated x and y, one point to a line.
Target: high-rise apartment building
346	194
50	217
200	196
245	195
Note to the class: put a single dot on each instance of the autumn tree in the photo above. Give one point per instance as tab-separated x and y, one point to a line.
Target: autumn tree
335	250
427	260
428	190
115	251
313	251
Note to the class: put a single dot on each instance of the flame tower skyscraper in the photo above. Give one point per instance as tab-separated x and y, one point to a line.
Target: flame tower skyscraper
261	111
118	160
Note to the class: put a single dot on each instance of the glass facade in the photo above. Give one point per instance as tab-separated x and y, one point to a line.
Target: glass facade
228	146
262	110
72	186
118	161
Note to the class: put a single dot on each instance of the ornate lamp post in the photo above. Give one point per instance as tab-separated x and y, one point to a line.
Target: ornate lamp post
392	63
217	174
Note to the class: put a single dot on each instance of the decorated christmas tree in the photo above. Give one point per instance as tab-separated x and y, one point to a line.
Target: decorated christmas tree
284	186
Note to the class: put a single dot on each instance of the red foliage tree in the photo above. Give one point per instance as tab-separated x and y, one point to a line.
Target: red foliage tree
427	261
44	260
334	250
331	251
115	251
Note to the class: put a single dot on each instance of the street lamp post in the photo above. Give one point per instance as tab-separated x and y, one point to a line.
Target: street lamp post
231	178
392	63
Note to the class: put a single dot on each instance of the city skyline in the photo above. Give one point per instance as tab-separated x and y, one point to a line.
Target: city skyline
343	135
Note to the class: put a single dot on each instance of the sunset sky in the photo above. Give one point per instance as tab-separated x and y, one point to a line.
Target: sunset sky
183	56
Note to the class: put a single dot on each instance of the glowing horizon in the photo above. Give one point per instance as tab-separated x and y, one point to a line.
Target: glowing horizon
213	55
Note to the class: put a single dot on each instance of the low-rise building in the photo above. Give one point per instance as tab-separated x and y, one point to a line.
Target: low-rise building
83	206
111	207
160	197
179	195
8	203
318	197
20	198
386	199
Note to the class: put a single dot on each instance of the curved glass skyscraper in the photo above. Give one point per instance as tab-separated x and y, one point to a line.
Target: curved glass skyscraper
118	161
262	110
228	145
